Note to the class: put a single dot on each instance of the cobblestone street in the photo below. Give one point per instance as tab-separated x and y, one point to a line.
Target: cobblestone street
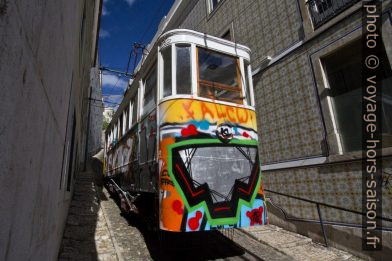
96	230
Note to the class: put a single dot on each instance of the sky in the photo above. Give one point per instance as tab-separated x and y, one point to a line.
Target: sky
123	23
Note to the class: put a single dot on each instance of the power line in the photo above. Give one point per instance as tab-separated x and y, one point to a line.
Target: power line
152	20
126	74
91	99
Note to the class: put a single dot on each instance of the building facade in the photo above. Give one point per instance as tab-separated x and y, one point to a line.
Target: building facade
96	111
306	60
47	49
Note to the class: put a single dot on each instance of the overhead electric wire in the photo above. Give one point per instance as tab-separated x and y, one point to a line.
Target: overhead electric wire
103	68
135	48
104	101
152	20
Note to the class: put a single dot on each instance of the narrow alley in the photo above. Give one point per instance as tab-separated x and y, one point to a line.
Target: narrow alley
195	130
97	230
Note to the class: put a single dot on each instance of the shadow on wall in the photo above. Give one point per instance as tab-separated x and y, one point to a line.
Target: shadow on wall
81	237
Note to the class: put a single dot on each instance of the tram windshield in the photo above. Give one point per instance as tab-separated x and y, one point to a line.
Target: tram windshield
211	165
219	76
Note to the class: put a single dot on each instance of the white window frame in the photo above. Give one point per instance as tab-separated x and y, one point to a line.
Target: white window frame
124	129
211	7
239	60
118	128
250	82
174	69
243	81
161	71
160	74
194	68
141	100
130	114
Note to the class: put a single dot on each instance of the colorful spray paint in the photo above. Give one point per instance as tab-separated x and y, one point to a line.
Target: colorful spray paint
208	167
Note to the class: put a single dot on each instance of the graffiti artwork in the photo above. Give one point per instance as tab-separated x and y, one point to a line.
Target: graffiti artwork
183	147
209	167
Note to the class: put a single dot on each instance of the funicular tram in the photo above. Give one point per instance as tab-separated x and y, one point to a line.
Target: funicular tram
183	143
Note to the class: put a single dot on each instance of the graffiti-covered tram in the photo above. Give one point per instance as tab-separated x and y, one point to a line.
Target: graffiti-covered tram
184	140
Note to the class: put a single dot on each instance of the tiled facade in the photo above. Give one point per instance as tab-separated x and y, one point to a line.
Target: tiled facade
293	120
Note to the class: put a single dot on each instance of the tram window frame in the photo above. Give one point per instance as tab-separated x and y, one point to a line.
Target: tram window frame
249	92
118	129
120	126
222	86
125	121
152	72
180	90
135	109
130	115
166	72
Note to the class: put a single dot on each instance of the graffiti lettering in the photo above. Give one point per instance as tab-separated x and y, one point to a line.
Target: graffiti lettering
187	107
242	117
230	112
217	111
205	110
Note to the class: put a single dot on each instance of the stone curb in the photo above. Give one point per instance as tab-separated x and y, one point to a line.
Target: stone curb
110	227
258	240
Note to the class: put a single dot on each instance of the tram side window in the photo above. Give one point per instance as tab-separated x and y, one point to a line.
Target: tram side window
150	89
219	76
134	109
126	120
167	71
184	84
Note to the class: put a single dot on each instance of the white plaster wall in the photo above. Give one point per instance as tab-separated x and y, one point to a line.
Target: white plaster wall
39	52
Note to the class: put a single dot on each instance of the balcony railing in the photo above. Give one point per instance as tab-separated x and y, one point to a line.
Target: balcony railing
322	11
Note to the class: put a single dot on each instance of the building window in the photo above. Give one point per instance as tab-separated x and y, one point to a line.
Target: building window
219	76
322	11
150	90
212	4
183	70
343	74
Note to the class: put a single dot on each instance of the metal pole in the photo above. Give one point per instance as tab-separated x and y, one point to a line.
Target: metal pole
322	224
